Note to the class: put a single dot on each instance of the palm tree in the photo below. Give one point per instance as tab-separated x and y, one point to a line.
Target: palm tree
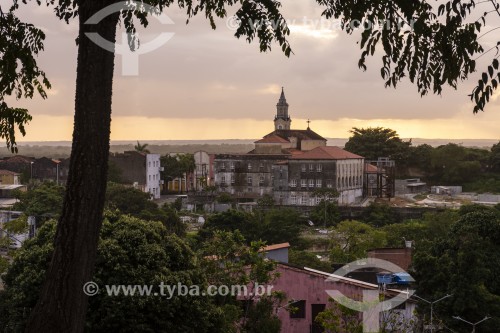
142	148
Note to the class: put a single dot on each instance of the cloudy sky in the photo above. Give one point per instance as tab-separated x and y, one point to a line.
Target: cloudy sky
205	84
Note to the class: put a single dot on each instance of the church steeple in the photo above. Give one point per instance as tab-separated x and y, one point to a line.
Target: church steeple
282	121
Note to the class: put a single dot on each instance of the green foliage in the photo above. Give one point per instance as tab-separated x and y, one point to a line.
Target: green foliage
4	264
115	174
495	157
175	166
18	225
138	204
272	226
266	201
380	214
261	318
338	319
44	199
20	76
436	46
131	251
307	259
431	227
225	198
142	148
484	183
351	239
128	199
375	142
279	226
450	164
325	213
177	204
227	260
464	264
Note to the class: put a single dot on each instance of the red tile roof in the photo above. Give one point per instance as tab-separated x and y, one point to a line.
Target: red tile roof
272	139
307	134
326	153
9	173
276	247
370	168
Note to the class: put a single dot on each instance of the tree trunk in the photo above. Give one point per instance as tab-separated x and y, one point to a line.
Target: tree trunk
62	304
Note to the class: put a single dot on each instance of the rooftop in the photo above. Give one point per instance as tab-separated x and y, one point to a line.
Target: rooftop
326	153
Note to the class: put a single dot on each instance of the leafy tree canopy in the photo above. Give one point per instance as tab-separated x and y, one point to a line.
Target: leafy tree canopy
375	142
351	239
44	199
131	251
464	264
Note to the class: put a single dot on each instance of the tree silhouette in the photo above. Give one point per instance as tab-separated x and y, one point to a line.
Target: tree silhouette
142	148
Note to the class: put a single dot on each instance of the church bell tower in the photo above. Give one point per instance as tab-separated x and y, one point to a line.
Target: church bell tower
282	121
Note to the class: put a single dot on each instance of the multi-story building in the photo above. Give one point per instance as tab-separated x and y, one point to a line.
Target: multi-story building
140	170
321	168
290	164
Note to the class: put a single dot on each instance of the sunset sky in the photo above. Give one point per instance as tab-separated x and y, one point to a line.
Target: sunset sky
205	84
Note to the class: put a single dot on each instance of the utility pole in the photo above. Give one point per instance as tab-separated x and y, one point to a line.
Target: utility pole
432	307
472	324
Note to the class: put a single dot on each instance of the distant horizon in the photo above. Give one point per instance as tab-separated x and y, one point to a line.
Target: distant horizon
331	141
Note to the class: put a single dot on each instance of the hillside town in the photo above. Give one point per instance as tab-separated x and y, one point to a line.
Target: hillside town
313	208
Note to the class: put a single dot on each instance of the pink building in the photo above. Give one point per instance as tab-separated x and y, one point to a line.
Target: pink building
307	288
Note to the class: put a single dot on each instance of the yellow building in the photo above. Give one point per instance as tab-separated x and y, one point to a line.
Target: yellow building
9	178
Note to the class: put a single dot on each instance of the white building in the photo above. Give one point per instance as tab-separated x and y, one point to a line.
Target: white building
153	178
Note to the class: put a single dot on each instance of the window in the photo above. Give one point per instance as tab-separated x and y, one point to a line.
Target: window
223	179
293	183
311	182
249	166
311	167
149	164
223	166
261	166
249	180
303	183
149	177
319	167
318	200
318	183
231	166
329	183
293	199
232	179
303	168
261	180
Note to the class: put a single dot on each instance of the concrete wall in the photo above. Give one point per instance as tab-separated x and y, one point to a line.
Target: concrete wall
311	144
486	197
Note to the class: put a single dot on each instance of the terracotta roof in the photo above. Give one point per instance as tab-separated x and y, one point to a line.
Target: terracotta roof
272	139
326	153
307	134
9	173
276	247
18	159
294	151
370	168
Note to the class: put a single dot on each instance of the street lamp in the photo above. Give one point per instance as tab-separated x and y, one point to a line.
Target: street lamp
473	324
31	174
432	306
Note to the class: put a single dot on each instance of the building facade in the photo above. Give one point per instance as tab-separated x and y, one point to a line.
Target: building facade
290	165
140	170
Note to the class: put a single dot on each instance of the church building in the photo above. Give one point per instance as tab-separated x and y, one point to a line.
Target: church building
289	164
